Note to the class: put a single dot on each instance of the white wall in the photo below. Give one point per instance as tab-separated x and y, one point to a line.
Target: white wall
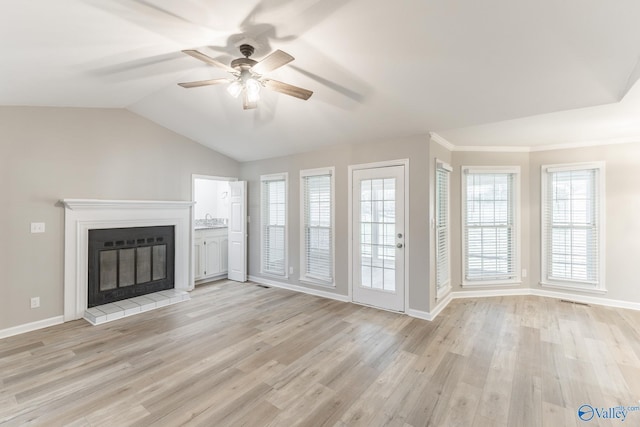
211	197
205	193
47	154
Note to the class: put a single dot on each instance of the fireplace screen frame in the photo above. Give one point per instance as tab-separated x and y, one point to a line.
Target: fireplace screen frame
118	239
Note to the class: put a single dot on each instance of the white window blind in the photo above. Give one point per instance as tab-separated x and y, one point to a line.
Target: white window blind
490	233
317	225
274	223
443	278
571	224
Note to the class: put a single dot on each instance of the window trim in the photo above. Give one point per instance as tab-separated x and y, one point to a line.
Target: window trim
516	171
275	177
445	288
600	286
304	277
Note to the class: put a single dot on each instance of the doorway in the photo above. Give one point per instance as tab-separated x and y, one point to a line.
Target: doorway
217	215
378	235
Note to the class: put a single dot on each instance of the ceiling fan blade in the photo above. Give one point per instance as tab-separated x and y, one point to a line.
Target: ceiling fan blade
209	60
358	96
204	83
273	61
288	89
246	104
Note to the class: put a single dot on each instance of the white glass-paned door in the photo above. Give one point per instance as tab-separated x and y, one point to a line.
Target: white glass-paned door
378	241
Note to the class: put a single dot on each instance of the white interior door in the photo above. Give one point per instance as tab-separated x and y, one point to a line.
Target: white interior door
238	231
378	237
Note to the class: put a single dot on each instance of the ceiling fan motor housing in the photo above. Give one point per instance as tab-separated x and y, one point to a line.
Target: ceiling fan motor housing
243	63
247	50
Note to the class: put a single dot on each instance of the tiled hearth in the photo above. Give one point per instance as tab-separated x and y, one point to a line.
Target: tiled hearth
119	309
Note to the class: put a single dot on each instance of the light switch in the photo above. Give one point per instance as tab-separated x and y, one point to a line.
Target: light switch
37	227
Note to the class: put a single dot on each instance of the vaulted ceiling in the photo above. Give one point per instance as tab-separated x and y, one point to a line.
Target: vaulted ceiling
492	72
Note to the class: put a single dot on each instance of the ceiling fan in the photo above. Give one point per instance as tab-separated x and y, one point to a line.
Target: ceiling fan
248	76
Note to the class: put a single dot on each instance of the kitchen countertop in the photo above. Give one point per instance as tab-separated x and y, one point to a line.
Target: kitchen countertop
209	227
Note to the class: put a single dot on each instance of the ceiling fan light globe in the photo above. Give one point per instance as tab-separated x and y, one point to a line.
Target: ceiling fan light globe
253	97
253	89
235	89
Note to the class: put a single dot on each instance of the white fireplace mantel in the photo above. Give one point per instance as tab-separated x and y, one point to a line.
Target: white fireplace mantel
82	215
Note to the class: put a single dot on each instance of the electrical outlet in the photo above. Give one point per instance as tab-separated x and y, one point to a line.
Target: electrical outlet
37	227
35	302
524	272
290	270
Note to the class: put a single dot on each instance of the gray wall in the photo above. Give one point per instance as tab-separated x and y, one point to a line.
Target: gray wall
461	158
622	228
47	154
413	148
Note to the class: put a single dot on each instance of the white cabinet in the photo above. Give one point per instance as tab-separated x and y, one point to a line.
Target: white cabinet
210	253
224	251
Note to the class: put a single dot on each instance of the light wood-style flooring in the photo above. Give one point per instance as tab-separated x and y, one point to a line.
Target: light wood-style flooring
244	355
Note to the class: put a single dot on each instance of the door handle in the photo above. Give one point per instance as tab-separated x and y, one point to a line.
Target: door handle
398	245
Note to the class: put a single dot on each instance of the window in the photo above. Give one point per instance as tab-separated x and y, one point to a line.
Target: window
274	224
572	218
490	222
316	188
443	264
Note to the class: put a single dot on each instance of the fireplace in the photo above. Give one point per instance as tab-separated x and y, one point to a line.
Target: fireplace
129	262
82	216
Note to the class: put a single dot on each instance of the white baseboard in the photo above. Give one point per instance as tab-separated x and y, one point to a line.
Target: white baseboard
442	304
431	315
297	288
426	315
28	327
587	299
480	293
419	314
